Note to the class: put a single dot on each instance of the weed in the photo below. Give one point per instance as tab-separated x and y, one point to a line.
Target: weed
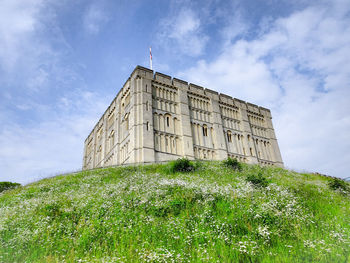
338	184
182	165
257	180
8	185
233	163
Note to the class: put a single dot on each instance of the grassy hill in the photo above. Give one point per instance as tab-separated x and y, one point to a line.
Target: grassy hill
150	214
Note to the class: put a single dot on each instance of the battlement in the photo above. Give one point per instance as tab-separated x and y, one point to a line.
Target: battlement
178	83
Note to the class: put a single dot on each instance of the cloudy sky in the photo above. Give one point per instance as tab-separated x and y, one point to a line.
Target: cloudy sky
62	63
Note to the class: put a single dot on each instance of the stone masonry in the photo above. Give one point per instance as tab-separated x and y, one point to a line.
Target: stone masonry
156	118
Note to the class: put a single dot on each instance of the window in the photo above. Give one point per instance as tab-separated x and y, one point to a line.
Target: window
251	151
147	126
205	131
126	121
167	121
229	136
110	120
111	136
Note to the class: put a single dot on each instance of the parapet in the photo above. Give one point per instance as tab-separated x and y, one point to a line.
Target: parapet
211	91
196	89
163	78
178	83
142	72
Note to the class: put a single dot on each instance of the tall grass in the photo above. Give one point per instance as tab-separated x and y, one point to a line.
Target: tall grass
146	214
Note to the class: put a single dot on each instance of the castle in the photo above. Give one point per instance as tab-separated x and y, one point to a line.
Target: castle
156	118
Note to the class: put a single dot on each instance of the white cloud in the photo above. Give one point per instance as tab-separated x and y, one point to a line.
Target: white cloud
235	29
300	68
18	22
42	124
51	146
182	32
94	18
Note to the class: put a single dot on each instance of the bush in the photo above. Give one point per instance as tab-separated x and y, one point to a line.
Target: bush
233	163
182	165
338	184
257	180
8	185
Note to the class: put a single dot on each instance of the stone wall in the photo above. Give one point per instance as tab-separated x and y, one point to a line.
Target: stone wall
156	118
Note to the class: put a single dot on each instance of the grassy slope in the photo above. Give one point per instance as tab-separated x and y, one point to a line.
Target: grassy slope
138	214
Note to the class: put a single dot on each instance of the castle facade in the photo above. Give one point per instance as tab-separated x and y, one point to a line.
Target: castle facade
156	118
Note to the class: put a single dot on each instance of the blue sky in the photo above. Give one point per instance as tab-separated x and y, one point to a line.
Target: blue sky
62	63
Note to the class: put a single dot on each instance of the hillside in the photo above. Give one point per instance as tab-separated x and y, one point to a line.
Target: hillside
149	214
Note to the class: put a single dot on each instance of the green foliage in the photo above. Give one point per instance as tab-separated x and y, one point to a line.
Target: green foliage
147	214
182	165
257	180
233	163
338	184
8	185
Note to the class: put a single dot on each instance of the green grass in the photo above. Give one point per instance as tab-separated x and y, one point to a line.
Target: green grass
150	214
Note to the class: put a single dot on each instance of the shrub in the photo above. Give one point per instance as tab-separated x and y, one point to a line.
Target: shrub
338	184
8	185
182	165
233	163
257	180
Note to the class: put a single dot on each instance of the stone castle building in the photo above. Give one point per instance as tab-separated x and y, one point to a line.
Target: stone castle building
156	118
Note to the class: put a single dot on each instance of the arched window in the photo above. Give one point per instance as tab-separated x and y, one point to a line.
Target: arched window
205	130
229	136
126	120
111	138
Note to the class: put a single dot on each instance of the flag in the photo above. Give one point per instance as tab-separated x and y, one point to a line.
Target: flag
150	57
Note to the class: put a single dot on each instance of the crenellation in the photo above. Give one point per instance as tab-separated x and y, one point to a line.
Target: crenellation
142	72
180	84
196	90
155	118
211	92
162	78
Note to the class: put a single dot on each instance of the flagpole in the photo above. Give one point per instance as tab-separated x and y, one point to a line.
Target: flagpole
150	57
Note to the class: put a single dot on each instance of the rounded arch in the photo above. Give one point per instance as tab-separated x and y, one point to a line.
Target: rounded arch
168	120
205	130
229	136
